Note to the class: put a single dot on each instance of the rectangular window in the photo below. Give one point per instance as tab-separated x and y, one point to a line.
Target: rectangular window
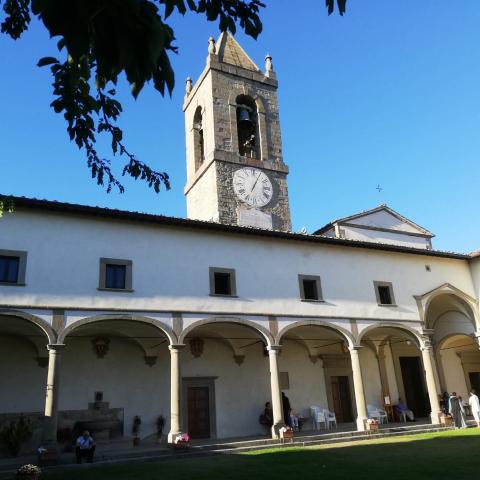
115	274
310	288
222	281
9	269
384	293
13	265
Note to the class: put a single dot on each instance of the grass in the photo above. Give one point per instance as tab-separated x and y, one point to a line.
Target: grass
451	454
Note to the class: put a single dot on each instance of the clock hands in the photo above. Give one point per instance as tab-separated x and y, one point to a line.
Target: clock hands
255	183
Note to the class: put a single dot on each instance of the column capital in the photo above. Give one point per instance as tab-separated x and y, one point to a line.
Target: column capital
177	347
274	348
55	347
427	346
355	348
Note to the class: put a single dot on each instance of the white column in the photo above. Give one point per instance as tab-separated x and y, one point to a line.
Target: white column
359	390
277	409
431	386
51	398
175	385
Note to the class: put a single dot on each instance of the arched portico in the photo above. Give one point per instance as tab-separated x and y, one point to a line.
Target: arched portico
224	377
109	363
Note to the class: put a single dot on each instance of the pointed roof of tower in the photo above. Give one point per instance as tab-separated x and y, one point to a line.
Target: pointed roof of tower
229	51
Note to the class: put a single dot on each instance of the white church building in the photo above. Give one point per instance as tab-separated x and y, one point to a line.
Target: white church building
106	315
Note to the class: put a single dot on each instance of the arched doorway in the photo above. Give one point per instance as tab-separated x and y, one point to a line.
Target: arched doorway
315	370
112	371
225	380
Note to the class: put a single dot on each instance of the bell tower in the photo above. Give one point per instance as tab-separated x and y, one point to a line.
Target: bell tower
235	169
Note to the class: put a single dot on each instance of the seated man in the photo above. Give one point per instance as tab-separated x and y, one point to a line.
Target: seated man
402	409
85	447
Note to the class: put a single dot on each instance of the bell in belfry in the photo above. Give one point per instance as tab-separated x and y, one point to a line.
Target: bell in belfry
244	116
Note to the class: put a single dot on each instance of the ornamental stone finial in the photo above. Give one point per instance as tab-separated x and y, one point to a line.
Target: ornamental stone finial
211	46
268	63
188	85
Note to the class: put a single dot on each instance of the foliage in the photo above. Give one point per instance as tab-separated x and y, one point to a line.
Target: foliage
137	421
98	40
15	433
160	424
6	205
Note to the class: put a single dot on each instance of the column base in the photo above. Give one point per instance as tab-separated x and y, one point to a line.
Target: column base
361	422
171	436
276	431
435	418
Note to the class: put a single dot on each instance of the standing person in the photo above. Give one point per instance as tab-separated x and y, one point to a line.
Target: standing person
474	403
286	407
85	447
462	412
455	410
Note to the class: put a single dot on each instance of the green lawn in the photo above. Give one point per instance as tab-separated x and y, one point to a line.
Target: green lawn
452	454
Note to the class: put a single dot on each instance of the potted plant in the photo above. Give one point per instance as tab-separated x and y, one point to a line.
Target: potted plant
181	441
137	421
28	472
160	425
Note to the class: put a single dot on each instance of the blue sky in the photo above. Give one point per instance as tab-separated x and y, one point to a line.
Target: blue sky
388	94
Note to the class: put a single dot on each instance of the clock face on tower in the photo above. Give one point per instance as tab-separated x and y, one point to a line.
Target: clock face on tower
252	186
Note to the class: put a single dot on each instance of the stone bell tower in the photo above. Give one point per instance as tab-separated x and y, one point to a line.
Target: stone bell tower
235	169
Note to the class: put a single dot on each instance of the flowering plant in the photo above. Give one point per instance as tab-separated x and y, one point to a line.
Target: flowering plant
372	421
29	470
182	438
286	428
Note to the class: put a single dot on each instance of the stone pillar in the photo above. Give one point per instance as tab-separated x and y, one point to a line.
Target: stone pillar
277	409
431	386
358	387
51	398
175	385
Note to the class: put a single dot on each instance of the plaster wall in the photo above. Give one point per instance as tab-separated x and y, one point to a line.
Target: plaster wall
453	372
22	381
122	375
377	236
240	390
170	270
383	219
307	379
202	201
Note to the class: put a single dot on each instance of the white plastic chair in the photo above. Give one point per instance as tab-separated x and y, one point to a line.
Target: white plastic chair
318	417
330	418
377	413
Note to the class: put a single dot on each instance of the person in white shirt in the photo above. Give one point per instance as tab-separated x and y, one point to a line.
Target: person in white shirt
85	447
475	406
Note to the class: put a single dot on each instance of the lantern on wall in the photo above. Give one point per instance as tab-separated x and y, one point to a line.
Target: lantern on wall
196	346
100	346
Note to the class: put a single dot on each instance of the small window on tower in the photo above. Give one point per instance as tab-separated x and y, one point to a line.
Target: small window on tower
199	143
384	293
222	282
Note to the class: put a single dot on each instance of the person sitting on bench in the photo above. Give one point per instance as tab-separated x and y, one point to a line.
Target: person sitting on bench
85	447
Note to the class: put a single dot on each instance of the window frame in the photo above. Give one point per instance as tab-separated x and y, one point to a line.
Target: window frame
318	282
22	267
233	281
128	264
378	284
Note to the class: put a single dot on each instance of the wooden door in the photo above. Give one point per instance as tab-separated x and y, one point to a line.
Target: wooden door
414	386
198	412
342	400
474	378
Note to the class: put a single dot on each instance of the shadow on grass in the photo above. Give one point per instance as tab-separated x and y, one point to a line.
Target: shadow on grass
440	456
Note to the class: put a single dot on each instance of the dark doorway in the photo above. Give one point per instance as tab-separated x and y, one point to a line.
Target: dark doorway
475	381
198	402
414	386
342	400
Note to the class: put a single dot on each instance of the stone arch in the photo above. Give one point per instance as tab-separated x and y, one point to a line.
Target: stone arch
167	331
463	301
39	322
318	323
247	323
414	333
